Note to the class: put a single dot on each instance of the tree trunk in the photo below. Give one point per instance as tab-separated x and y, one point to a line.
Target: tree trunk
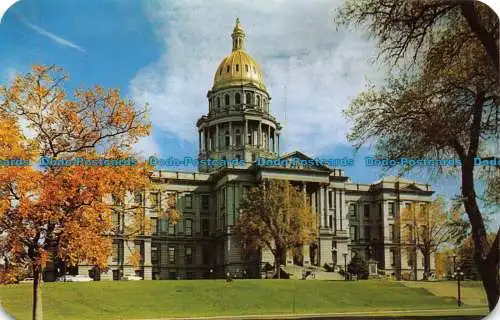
37	311
485	257
279	259
427	265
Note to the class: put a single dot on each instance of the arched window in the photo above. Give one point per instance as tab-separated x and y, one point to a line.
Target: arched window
228	138
258	101
237	67
220	71
248	98
218	102
238	137
228	68
226	98
246	67
237	98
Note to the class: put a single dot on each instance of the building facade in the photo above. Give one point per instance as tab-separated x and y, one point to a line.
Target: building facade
353	219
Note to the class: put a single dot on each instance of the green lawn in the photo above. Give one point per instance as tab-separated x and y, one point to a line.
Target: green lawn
156	299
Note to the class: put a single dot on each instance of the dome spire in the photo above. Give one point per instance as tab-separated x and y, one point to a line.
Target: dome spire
238	36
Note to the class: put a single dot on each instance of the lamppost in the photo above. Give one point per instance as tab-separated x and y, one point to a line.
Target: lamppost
211	273
345	266
454	262
459	275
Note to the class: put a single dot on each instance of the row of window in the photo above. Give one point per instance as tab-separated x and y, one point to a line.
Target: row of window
258	101
353	208
187	201
161	226
172	255
237	68
252	139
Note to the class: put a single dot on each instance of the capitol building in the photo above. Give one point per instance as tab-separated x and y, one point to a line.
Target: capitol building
353	218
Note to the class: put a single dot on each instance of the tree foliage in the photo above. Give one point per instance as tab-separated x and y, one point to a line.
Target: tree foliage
66	208
276	215
444	101
428	227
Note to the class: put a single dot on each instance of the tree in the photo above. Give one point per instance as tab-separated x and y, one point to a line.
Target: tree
427	227
275	215
64	206
359	267
444	102
465	257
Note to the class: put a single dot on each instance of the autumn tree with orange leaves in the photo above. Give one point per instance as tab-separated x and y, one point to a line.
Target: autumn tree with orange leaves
67	208
276	216
426	227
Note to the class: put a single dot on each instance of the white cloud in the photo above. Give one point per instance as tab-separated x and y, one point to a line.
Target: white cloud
310	69
146	146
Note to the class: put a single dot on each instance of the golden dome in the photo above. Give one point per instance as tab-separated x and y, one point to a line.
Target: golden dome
238	68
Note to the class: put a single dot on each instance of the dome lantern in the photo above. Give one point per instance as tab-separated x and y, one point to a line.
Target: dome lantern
238	36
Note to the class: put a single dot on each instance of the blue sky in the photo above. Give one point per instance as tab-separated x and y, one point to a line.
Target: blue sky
165	53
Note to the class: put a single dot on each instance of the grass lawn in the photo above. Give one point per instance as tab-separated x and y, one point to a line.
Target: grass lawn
472	292
156	299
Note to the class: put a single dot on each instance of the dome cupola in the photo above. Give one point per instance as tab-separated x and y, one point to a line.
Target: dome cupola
238	68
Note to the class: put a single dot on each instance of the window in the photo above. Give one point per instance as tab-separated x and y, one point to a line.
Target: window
246	67
115	217
249	138
138	247
218	102
330	200
220	71
189	255
223	198
258	100
238	137
163	225
116	251
422	208
237	98
367	233
155	253
138	198
330	221
228	68
227	138
188	227
226	99
392	234
205	201
237	68
353	208
367	210
254	69
154	225
354	233
155	199
171	255
410	233
392	209
171	229
205	226
188	201
248	98
392	257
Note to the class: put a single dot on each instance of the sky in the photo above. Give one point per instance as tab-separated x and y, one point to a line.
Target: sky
165	54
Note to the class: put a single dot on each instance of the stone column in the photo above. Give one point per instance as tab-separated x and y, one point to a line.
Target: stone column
259	136
325	209
278	144
205	140
147	260
275	140
306	255
338	216
321	206
267	144
230	134
217	137
246	133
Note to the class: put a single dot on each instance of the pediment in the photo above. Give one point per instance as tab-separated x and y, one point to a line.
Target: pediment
299	160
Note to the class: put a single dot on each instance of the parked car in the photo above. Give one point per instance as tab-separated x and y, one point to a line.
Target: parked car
131	277
27	280
80	278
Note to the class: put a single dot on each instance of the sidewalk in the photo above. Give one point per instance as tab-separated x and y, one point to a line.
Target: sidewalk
443	313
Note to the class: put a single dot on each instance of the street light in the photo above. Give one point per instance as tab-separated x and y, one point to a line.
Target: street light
345	266
454	262
459	275
211	273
